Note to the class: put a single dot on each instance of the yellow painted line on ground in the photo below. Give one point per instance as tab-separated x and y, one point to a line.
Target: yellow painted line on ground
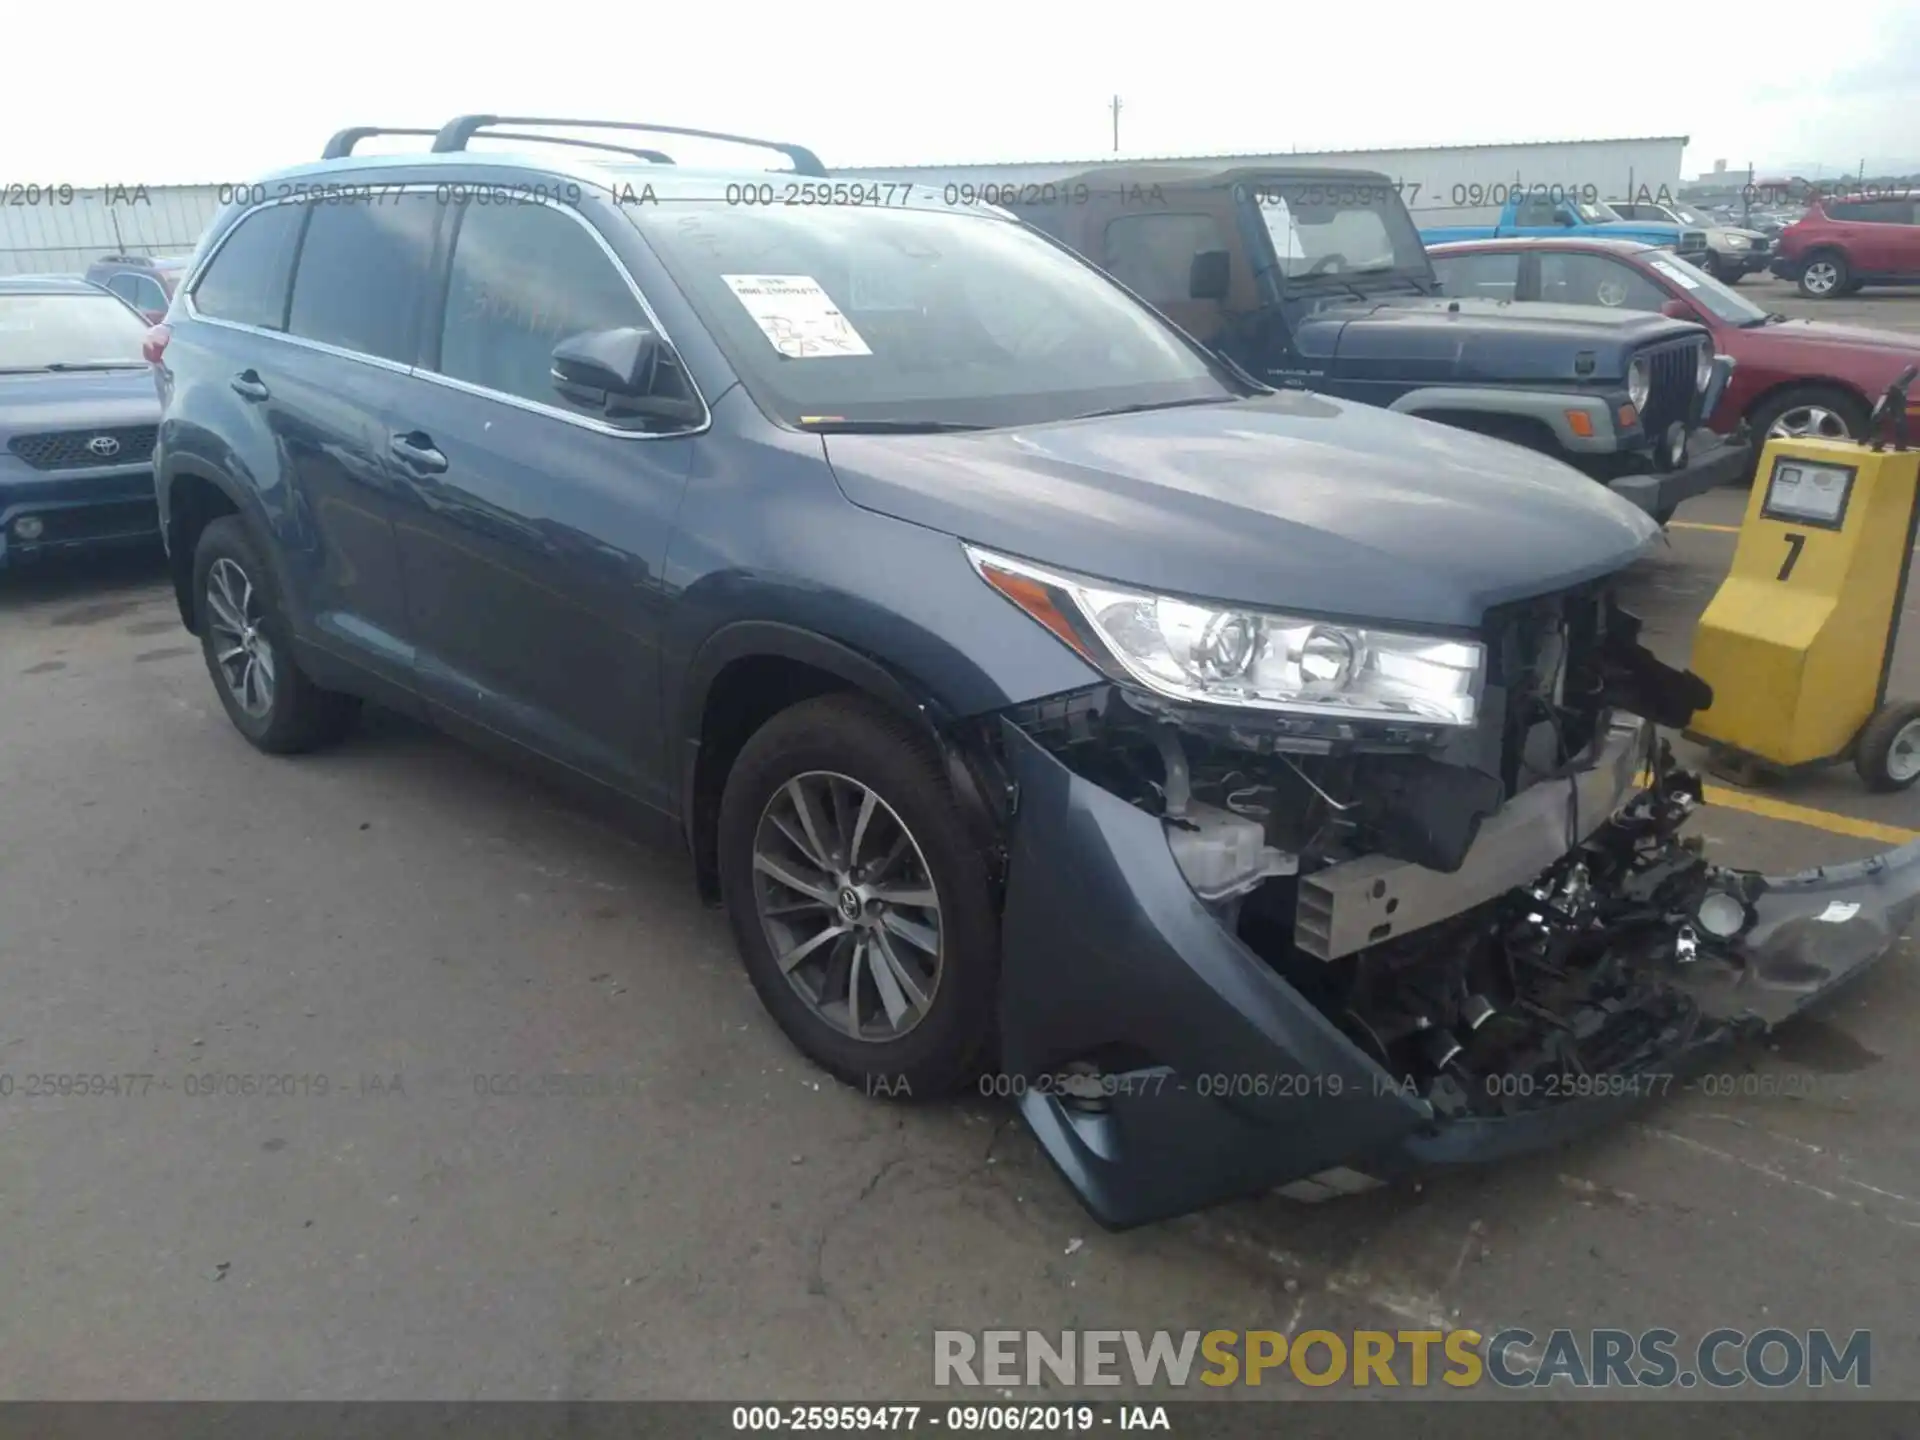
1829	820
1702	525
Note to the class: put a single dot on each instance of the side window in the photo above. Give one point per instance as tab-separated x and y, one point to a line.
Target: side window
526	277
1152	255
1572	279
147	294
1537	210
247	281
363	269
1484	277
123	286
1873	212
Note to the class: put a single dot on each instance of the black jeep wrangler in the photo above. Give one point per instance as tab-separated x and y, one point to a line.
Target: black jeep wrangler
1318	278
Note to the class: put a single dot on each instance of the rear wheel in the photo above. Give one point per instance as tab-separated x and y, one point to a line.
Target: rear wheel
1825	275
860	905
244	637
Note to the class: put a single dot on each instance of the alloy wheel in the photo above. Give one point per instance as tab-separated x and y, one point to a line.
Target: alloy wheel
1820	277
1809	422
240	649
848	906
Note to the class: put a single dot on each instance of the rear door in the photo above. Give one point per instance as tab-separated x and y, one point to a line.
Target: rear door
1878	235
352	327
537	527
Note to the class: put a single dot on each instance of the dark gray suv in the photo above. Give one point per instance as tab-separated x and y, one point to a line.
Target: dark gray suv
1244	780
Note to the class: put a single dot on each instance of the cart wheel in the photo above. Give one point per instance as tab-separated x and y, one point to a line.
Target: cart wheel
1887	754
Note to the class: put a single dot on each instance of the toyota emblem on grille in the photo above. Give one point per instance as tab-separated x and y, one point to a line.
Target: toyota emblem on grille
104	445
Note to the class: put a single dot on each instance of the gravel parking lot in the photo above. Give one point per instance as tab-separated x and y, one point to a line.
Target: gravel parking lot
395	921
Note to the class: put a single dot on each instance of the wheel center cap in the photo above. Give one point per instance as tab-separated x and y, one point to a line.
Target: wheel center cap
850	906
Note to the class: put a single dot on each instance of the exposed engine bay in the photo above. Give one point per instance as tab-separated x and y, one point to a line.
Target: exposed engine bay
1530	965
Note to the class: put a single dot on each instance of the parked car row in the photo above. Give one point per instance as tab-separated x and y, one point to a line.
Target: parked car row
1790	377
1142	708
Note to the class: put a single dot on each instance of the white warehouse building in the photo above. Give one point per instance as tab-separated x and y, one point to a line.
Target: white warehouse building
66	228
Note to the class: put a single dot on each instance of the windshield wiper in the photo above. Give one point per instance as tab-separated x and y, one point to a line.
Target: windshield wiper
61	366
841	425
1156	405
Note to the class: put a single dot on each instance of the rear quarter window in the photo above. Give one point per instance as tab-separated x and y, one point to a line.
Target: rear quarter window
246	281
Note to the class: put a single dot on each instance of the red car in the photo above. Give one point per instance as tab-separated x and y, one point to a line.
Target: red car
1791	377
1841	244
145	282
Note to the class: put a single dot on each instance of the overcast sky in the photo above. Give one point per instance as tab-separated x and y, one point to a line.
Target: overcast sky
215	90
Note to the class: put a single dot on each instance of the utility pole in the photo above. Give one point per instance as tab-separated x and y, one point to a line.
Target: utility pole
1115	107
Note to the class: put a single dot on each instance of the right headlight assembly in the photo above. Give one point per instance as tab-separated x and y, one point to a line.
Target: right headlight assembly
1222	654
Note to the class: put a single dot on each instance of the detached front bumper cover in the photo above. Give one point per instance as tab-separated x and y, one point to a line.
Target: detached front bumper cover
1218	1079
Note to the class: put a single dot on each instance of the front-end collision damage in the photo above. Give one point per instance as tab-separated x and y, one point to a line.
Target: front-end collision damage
1239	952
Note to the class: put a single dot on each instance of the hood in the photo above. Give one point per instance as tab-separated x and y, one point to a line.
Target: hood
1853	337
1752	236
1292	501
1426	341
1654	232
77	400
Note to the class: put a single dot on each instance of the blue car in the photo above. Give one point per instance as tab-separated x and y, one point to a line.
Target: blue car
78	420
1244	779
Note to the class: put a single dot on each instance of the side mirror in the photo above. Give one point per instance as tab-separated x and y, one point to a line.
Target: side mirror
1208	279
607	364
1678	309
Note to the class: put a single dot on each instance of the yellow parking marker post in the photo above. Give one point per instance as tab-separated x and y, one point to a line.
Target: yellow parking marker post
1798	641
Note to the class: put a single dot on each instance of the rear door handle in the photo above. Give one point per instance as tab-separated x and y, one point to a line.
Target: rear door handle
417	452
249	386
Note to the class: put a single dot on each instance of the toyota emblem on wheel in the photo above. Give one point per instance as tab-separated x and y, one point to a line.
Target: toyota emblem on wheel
104	445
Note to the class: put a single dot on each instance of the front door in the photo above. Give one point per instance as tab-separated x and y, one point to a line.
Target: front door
533	551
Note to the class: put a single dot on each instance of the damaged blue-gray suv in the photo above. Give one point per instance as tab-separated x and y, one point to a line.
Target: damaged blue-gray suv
1252	780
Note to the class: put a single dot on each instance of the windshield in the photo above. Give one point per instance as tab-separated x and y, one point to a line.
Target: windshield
1706	292
41	330
1687	215
845	314
1595	213
1318	228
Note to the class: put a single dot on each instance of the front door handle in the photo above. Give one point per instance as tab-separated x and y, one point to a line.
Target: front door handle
417	451
249	386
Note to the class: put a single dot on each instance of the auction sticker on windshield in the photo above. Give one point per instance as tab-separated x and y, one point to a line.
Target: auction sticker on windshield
1675	274
798	317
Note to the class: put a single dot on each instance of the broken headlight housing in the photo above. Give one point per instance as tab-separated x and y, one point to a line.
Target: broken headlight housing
1218	654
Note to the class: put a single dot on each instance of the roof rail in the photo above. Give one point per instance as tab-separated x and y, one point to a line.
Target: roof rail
341	145
455	134
658	157
125	260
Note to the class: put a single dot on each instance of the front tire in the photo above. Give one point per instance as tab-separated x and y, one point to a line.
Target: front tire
245	641
861	907
1803	412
